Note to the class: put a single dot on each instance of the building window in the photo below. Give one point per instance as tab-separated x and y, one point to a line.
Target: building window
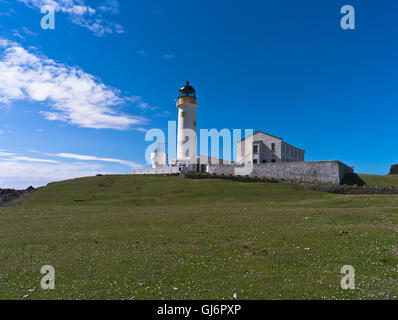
255	148
273	160
254	161
264	161
273	147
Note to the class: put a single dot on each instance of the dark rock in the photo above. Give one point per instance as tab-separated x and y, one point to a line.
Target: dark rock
7	196
394	169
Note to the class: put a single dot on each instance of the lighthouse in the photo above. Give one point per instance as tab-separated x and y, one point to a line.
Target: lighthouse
187	133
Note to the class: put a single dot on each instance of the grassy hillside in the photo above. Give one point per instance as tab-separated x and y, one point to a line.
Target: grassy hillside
372	180
143	237
380	181
144	191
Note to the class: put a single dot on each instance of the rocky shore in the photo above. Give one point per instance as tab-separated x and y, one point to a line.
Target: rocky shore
394	169
7	196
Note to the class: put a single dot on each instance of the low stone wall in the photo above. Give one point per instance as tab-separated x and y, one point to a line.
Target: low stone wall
166	170
170	170
317	171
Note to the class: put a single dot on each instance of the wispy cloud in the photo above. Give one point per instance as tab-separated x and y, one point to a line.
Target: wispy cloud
74	96
28	32
111	6
94	158
17	34
20	175
8	13
143	53
22	33
141	129
8	156
168	56
19	172
82	14
80	157
29	159
140	103
3	153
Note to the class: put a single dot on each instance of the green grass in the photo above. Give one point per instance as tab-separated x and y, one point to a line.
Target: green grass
380	181
371	180
152	237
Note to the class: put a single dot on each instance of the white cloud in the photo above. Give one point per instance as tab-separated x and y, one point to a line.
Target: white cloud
141	129
86	158
7	156
28	159
20	175
3	153
94	158
74	96
19	172
84	15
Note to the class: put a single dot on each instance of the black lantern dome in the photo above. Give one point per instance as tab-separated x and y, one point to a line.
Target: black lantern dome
187	91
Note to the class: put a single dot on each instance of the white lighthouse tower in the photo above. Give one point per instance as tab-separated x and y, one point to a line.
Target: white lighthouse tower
187	133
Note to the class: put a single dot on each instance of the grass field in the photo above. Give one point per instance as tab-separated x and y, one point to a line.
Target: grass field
380	181
152	237
372	180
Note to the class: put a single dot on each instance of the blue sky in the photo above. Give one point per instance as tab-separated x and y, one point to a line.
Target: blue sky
77	100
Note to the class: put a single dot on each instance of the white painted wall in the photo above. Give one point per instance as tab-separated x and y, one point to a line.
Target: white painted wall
283	151
187	133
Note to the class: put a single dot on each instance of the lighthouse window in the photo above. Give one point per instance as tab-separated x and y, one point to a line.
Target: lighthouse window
194	123
255	148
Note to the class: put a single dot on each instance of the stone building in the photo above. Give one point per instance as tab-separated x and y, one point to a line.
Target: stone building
394	169
262	147
265	155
